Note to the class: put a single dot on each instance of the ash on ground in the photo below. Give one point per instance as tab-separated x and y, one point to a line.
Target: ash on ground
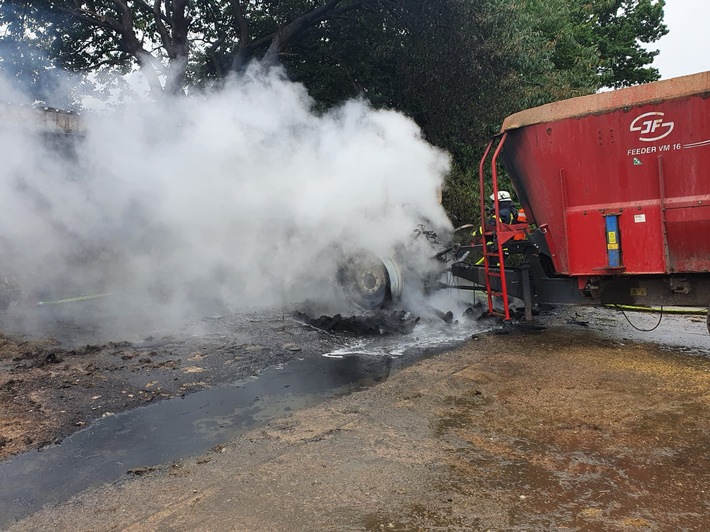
375	323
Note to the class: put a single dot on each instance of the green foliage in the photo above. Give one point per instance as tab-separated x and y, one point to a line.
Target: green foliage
547	50
444	63
28	59
551	62
75	44
619	30
457	67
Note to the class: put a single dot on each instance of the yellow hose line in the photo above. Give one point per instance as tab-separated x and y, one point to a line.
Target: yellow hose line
73	299
666	310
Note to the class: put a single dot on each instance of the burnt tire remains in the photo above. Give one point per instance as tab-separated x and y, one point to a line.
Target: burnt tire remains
364	282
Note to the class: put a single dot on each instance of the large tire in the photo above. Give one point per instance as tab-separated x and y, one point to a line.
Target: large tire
364	282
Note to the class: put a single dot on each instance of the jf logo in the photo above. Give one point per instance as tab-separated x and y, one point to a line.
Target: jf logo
651	126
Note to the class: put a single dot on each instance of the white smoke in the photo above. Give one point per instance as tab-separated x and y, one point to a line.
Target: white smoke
247	196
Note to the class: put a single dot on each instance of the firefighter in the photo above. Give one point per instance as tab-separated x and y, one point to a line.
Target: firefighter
507	214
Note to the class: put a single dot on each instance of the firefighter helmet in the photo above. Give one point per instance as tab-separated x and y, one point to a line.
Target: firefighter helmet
502	196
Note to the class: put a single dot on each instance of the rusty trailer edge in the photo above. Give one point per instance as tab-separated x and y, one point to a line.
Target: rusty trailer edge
605	102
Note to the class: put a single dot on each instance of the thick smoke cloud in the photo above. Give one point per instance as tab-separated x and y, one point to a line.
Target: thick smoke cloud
245	196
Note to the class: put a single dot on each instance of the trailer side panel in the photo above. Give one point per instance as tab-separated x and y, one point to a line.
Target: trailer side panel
623	190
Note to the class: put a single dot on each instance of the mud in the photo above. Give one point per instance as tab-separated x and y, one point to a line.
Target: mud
139	440
48	391
581	425
51	388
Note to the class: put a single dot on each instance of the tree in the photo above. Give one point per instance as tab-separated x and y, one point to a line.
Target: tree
565	44
178	41
458	67
618	29
577	48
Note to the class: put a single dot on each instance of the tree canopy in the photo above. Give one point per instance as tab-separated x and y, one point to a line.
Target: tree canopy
458	67
176	43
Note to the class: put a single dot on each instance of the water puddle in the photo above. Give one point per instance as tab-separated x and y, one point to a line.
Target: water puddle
161	433
672	331
427	336
167	431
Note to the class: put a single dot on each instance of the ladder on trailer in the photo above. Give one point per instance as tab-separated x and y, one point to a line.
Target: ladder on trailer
495	236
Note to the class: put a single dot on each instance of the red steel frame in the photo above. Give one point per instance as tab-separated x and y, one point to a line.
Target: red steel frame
499	235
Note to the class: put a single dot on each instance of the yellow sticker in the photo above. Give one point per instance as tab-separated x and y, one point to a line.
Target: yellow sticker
612	246
638	292
611	237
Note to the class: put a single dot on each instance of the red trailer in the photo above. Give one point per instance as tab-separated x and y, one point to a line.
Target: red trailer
618	186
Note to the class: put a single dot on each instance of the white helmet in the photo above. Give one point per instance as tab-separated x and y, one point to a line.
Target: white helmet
502	196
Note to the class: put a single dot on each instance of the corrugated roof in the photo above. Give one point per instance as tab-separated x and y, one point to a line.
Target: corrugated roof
46	119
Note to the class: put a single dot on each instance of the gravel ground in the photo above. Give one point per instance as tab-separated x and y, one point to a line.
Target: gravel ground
584	425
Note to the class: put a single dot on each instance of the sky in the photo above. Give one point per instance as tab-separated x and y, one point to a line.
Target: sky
684	50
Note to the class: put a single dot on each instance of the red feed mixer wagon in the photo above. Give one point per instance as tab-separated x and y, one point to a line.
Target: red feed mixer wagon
616	189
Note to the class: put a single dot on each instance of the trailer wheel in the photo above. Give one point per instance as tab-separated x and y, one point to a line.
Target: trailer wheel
365	281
